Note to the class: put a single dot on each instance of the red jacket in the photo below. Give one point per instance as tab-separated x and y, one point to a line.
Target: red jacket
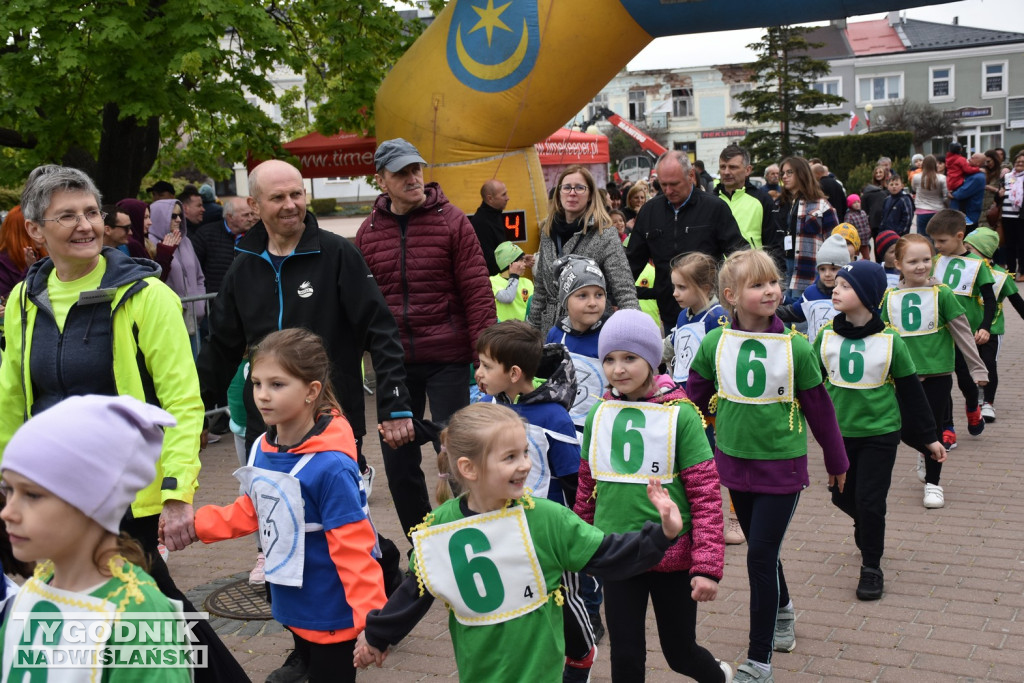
956	168
434	277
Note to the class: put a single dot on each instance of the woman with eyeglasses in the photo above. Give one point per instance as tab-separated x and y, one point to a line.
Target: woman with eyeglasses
139	245
635	200
578	223
809	221
185	275
90	320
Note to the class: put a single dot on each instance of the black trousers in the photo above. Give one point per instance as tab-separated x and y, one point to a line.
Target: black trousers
968	387
576	627
937	390
989	352
328	662
1013	236
447	387
222	664
867	486
625	607
764	518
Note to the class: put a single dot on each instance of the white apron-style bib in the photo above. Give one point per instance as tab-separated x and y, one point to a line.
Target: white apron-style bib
633	442
27	637
755	367
818	313
957	273
856	363
914	311
892	279
590	384
1000	278
685	341
277	497
539	479
484	567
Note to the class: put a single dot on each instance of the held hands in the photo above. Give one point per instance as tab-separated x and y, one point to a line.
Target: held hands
365	654
937	451
704	589
517	267
671	521
837	480
982	337
177	525
396	432
530	259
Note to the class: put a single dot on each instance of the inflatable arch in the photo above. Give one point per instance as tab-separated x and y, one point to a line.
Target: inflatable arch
489	78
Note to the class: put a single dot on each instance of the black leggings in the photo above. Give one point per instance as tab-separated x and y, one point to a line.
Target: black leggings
989	352
625	606
968	387
937	389
764	518
327	661
867	486
1013	236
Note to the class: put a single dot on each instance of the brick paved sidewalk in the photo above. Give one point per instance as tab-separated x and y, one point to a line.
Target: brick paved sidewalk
953	609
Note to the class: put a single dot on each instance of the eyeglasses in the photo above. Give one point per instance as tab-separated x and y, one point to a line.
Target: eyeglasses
789	172
578	189
71	220
124	227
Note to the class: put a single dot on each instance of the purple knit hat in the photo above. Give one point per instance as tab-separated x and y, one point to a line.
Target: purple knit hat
631	330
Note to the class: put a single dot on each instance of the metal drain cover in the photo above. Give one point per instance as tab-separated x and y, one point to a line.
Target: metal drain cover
239	600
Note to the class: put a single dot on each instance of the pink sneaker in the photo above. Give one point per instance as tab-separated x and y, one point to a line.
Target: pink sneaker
256	576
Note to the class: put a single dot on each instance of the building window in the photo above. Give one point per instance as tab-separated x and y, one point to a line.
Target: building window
990	137
993	79
682	102
734	90
599	102
637	105
941	87
881	89
1015	112
829	86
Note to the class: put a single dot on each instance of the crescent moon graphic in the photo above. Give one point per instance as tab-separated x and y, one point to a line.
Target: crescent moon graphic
492	72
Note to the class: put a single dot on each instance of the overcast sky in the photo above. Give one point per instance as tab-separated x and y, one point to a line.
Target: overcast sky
728	47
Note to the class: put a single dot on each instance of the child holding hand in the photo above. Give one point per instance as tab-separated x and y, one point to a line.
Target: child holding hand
69	476
649	415
495	555
758	373
305	495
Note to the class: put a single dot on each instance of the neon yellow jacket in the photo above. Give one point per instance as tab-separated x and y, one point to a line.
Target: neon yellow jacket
148	334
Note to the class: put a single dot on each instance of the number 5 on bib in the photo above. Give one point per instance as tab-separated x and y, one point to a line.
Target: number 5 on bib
633	442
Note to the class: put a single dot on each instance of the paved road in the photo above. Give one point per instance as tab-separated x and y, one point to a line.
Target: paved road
953	608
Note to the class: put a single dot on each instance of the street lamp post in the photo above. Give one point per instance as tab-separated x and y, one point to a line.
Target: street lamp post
867	115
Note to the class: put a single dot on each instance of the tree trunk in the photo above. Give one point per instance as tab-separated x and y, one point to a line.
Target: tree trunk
127	152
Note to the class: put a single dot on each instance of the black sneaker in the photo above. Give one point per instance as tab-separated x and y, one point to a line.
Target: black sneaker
294	670
598	626
871	583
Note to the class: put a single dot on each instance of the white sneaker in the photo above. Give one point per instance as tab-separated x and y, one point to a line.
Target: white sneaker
920	467
162	549
368	476
988	412
258	576
933	497
727	670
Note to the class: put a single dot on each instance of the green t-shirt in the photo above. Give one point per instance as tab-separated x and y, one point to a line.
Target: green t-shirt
920	316
517	309
1003	288
859	377
633	442
757	376
530	647
63	295
965	276
134	591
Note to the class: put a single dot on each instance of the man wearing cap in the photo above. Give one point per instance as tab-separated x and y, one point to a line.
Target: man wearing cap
425	256
288	272
161	189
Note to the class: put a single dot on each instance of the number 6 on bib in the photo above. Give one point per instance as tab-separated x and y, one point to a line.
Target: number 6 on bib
633	442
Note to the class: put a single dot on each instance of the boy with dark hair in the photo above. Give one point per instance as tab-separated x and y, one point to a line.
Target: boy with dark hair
512	354
970	277
898	210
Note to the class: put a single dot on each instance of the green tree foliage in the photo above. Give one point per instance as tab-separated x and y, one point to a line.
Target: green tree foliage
784	73
844	152
116	86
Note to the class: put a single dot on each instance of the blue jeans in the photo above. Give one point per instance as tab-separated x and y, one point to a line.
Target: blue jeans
922	222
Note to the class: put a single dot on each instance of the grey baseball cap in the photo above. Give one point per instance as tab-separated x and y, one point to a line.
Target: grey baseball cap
396	154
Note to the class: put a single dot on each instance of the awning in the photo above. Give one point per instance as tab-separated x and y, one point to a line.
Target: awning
343	155
566	146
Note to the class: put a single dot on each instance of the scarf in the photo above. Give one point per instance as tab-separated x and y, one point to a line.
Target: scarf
1016	194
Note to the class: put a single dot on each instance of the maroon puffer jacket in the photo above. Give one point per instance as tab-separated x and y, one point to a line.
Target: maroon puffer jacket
434	277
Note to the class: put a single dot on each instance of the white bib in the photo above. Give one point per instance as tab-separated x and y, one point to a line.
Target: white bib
856	363
484	567
36	598
277	497
539	479
957	273
686	340
755	367
818	313
590	384
633	442
914	311
892	279
1000	278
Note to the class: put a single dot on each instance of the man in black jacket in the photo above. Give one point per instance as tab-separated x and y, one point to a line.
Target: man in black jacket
682	220
290	273
214	242
833	190
489	222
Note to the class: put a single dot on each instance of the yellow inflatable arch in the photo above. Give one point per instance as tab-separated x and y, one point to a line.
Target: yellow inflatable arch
489	78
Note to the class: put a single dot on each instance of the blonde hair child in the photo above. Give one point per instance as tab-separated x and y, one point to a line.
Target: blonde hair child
694	287
319	542
758	373
495	556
